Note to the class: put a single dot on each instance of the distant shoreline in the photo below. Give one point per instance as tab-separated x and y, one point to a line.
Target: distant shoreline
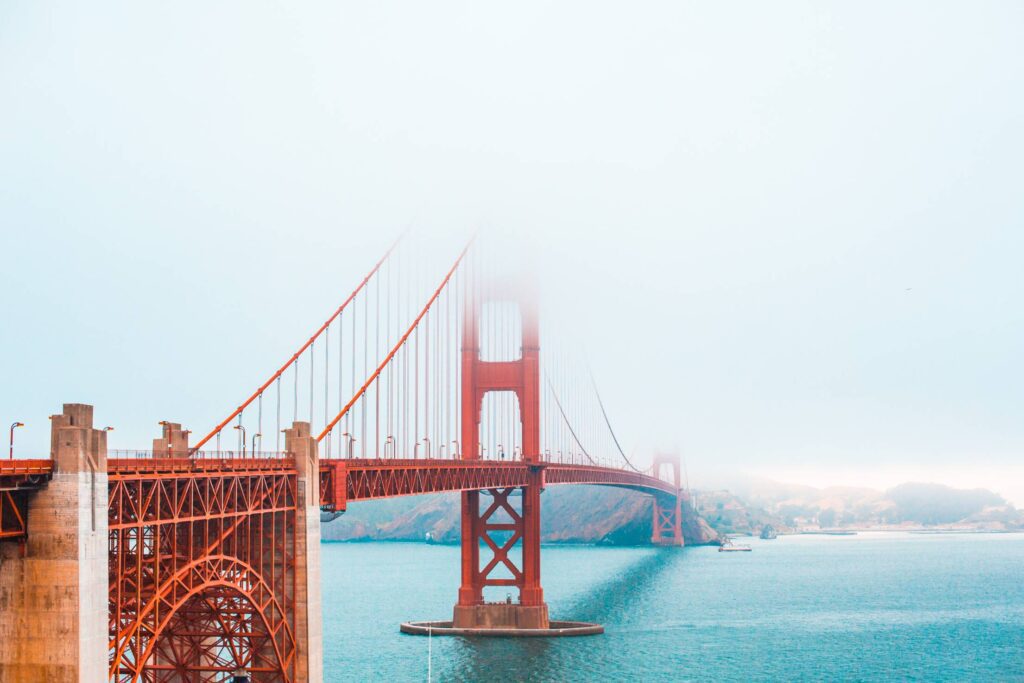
848	531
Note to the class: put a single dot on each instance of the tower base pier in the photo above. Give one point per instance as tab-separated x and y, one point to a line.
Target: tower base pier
501	620
555	629
500	615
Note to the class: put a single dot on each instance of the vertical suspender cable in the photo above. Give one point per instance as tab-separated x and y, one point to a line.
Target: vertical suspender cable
376	385
312	362
341	366
366	369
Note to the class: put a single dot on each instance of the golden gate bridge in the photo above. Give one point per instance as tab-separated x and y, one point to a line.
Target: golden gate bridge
200	562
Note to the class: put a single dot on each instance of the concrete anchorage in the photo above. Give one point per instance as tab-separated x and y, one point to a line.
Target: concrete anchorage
53	598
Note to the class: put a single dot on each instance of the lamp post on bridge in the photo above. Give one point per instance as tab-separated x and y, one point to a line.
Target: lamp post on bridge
351	441
14	426
242	428
255	436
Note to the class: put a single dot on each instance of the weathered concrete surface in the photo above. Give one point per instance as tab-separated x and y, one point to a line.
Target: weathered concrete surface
173	442
308	617
501	615
53	600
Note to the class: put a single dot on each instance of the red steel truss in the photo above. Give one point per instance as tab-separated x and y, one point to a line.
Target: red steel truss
13	516
202	569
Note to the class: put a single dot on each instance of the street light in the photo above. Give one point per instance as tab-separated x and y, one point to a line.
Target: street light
242	427
14	426
255	436
351	441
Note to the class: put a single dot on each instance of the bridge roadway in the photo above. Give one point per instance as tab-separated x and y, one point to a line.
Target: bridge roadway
341	480
17	478
368	479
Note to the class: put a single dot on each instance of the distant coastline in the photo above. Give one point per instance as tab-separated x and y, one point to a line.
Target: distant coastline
615	517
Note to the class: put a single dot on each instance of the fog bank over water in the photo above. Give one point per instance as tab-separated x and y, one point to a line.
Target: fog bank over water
786	237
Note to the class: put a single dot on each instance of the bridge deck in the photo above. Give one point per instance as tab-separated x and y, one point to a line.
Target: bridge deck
364	479
175	466
17	478
368	479
20	474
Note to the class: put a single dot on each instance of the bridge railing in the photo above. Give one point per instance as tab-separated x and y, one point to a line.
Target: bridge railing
121	454
129	462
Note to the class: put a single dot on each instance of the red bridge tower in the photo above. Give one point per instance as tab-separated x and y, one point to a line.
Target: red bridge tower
521	376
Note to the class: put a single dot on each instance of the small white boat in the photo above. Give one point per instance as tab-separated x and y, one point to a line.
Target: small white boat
728	547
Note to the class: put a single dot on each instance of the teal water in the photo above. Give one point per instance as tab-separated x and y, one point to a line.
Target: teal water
882	606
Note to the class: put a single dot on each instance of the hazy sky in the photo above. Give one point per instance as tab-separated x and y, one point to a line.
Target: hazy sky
791	233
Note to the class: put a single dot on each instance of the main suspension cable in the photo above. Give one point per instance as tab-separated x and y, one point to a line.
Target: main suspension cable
608	422
558	403
401	342
294	359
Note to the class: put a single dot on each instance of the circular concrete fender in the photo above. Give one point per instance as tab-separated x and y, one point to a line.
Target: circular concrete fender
557	629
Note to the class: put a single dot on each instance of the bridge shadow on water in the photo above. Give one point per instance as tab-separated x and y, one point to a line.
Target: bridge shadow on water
542	659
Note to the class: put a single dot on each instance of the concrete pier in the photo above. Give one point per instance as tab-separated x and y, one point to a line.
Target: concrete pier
53	591
309	622
500	615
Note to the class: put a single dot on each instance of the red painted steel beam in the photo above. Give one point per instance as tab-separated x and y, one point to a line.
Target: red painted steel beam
202	568
20	474
367	479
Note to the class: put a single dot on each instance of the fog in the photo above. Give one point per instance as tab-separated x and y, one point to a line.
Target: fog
786	236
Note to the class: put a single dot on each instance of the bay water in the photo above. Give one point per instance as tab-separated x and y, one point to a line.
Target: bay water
875	606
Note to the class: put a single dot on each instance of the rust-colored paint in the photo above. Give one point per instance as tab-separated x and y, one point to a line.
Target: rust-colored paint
202	568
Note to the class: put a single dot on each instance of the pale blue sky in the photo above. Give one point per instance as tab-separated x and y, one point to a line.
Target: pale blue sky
791	232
